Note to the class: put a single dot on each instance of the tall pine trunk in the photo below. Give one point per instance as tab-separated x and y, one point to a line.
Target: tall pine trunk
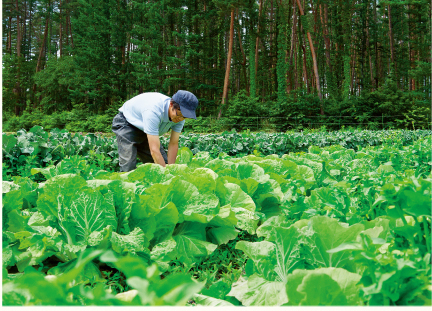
325	35
293	38
228	64
305	75
258	38
369	51
315	65
377	61
392	48
281	68
412	85
69	26
244	61
252	76
24	30
353	73
9	38
271	35
67	23
17	89
61	30
41	55
42	49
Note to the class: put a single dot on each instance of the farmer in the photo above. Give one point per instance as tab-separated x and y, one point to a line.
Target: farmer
143	118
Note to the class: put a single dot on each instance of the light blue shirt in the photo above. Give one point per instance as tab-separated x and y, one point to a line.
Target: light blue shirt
149	113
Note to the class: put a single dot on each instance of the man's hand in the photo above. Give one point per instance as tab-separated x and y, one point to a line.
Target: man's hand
173	147
154	144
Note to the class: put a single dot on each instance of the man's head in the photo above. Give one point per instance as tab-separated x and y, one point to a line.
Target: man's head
174	112
187	102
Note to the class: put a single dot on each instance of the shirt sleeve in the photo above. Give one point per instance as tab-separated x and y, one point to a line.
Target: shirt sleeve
178	126
150	122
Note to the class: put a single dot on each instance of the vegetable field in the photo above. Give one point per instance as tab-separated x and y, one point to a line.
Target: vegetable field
40	149
260	219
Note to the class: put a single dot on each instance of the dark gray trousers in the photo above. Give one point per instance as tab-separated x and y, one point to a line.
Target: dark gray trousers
132	142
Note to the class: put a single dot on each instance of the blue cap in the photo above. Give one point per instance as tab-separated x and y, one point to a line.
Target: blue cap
188	103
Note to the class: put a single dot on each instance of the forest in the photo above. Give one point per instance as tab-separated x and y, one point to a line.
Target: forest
72	63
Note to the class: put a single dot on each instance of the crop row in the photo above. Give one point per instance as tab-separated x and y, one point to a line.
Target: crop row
38	148
337	227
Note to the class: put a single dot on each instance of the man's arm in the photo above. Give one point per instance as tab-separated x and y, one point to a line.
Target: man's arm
154	144
173	147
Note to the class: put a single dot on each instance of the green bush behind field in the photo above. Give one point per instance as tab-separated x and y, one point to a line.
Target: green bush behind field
385	108
77	120
80	121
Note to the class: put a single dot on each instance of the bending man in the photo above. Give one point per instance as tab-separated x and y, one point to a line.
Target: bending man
143	118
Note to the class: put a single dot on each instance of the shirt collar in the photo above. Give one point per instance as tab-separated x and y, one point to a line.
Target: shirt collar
166	108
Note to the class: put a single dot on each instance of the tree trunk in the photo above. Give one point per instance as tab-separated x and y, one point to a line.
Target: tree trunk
41	52
19	35
244	61
60	29
411	51
24	30
17	89
293	37
67	23
271	35
305	75
315	66
392	50
48	46
377	66
30	29
352	65
296	82
369	51
257	38
70	31
325	35
41	55
228	64
391	34
9	45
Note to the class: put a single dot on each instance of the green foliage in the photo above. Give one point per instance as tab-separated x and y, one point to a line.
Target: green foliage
41	150
54	82
296	111
242	107
118	49
92	59
323	287
86	154
408	111
79	119
80	286
390	276
354	221
17	76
